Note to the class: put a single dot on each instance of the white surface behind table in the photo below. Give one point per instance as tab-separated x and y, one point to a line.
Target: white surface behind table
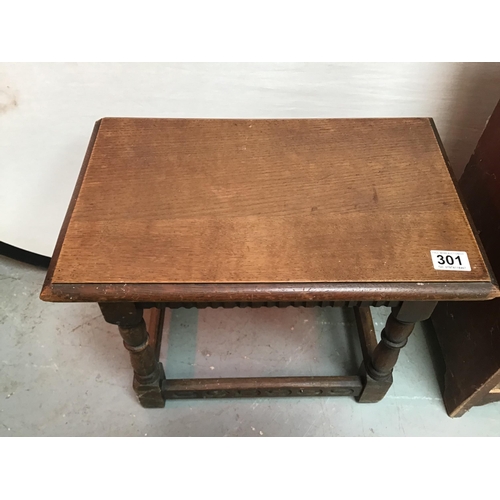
47	112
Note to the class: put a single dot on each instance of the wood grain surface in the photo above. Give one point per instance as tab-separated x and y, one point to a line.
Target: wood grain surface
265	201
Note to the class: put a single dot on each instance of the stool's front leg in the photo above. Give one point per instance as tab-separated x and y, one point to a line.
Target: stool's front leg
376	370
148	372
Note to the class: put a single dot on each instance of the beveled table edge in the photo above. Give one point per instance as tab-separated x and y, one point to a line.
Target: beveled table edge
265	292
262	292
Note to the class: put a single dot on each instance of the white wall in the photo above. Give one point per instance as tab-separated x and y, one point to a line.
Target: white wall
47	112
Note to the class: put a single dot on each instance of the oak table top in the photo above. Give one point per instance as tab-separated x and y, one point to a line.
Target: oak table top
332	208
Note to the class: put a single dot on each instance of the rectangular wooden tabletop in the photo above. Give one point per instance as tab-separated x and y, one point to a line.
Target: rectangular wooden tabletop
264	201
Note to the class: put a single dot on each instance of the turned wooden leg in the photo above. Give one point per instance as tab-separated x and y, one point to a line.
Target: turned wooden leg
378	363
148	372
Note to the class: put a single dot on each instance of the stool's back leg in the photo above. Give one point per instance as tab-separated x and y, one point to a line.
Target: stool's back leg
148	372
376	370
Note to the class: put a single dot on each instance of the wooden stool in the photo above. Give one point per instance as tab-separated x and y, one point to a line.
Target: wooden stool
183	213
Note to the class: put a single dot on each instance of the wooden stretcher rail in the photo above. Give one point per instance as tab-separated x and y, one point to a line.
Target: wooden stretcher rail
261	387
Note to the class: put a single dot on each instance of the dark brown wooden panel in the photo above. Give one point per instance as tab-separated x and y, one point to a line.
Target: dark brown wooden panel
469	332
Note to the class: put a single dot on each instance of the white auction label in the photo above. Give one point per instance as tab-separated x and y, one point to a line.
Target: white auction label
444	260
